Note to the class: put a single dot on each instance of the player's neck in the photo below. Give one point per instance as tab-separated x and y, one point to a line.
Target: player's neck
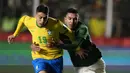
43	25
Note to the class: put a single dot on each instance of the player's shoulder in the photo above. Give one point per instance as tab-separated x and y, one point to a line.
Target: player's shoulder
82	25
53	20
26	17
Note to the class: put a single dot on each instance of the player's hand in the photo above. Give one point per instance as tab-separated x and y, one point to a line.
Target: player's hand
82	53
35	47
11	39
60	42
51	43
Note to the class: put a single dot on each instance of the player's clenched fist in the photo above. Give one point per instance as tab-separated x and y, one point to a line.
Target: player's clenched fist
11	39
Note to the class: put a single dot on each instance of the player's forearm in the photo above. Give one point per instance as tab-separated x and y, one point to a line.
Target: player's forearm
67	46
71	46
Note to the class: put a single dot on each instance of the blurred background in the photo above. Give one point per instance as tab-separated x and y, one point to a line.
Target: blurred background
108	22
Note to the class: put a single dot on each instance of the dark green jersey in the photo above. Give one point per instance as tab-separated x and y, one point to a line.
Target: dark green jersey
82	39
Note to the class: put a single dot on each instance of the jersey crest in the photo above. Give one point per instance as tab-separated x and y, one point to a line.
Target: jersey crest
49	32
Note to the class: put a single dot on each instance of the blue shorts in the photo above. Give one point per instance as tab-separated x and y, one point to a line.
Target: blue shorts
51	66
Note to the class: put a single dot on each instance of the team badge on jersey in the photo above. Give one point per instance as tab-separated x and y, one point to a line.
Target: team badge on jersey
49	32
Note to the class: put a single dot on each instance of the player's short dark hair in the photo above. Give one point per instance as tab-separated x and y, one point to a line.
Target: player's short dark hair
71	10
43	8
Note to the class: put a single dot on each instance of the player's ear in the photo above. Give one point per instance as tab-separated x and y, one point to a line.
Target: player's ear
78	17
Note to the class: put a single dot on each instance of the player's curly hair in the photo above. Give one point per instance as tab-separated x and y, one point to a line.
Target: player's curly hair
43	8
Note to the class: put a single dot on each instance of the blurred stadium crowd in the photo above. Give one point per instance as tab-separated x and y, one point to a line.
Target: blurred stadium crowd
92	12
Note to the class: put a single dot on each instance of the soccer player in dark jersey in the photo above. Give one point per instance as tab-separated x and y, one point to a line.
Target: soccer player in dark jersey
89	58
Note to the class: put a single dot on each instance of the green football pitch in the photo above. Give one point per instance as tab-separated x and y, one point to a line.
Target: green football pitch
16	58
67	69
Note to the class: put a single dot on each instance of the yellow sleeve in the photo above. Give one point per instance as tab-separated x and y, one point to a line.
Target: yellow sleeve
63	28
19	26
78	48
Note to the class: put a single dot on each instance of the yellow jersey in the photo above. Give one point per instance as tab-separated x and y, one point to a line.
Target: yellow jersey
42	35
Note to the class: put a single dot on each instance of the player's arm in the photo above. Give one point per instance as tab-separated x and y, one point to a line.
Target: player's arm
82	35
63	29
18	29
72	46
20	25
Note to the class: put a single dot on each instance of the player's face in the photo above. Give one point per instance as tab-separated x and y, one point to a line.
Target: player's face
41	18
71	20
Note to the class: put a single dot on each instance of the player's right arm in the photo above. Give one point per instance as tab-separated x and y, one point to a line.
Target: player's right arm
17	31
82	35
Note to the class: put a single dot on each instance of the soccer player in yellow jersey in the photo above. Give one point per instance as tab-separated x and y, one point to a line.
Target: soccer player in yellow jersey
44	30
